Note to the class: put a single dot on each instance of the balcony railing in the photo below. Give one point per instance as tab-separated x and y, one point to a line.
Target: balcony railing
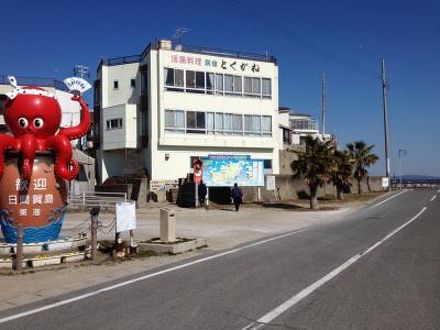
35	81
301	124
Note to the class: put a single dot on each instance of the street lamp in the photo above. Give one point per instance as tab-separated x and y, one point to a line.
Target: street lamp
402	152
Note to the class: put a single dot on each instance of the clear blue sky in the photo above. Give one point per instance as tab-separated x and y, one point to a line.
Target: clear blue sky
346	39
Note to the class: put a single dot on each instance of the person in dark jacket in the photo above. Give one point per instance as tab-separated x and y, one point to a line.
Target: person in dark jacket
202	192
237	196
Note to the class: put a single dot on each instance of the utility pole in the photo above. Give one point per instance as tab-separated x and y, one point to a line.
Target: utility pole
385	124
323	86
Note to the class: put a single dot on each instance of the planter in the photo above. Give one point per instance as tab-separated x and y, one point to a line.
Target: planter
176	247
38	205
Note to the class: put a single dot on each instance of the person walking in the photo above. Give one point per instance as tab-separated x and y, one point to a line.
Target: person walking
237	196
202	192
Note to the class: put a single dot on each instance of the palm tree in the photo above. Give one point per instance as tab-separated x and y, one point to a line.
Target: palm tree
362	157
343	172
316	164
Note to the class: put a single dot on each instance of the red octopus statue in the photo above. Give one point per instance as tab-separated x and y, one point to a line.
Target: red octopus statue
34	116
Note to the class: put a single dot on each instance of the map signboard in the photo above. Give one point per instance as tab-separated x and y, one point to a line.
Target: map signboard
225	170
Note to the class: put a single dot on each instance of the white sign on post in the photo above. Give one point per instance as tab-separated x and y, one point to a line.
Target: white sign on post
385	182
270	182
125	216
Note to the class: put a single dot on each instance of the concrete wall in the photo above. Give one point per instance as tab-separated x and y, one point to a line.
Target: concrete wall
290	188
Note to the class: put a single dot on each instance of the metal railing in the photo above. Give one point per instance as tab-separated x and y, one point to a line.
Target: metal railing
95	198
35	81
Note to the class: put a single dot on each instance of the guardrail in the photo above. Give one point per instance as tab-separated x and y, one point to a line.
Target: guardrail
95	198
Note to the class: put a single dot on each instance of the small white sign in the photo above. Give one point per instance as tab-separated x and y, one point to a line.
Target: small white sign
77	84
270	182
125	216
385	182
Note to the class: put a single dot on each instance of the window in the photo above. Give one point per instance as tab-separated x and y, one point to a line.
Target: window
237	124
112	124
173	79
257	125
133	83
268	164
209	83
219	123
115	84
266	125
219	84
190	79
195	122
233	85
252	87
210	122
267	88
175	121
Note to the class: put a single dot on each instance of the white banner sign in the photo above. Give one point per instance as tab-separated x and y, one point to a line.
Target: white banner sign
385	182
270	182
77	84
125	216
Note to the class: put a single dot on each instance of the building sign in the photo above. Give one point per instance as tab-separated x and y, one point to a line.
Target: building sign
225	64
225	170
125	216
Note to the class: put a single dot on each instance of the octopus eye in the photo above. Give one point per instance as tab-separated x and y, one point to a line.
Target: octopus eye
23	122
38	122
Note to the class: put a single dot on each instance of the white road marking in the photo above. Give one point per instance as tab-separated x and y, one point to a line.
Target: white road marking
386	200
267	318
433	198
141	278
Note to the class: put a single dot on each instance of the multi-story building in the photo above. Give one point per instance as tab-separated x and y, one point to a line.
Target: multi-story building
158	111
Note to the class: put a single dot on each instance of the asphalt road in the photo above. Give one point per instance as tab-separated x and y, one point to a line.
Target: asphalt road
357	273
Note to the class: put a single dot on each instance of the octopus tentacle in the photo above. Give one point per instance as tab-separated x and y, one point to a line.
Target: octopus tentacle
62	169
6	142
61	145
82	128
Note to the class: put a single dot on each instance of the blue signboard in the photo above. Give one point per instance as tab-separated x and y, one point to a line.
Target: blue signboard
225	170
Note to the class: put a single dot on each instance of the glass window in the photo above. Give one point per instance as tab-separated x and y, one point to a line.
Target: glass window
229	87
219	122
133	83
266	125
267	88
174	120
256	125
190	119
209	82
237	124
190	79
247	124
195	122
115	84
237	84
200	80
247	85
210	122
256	86
227	123
178	77
169	77
219	83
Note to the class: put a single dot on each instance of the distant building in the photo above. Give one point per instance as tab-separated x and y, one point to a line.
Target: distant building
295	126
158	111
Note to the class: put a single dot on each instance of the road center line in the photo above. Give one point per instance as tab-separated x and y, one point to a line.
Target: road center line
433	198
386	200
141	278
267	318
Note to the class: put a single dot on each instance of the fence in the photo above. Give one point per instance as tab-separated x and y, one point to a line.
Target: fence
94	199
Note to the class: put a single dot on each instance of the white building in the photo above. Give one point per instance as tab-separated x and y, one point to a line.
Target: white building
296	126
156	112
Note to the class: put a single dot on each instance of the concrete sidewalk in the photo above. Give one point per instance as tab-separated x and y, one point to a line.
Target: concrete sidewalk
222	228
